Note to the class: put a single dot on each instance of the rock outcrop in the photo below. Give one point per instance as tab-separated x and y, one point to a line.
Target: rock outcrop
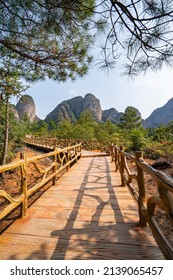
26	108
76	106
72	108
61	112
14	111
92	104
138	114
111	115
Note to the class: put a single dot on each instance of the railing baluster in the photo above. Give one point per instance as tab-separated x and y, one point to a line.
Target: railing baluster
141	189
122	166
24	186
55	166
64	164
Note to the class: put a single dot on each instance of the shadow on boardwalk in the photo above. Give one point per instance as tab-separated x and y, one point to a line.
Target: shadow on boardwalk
92	231
102	222
105	240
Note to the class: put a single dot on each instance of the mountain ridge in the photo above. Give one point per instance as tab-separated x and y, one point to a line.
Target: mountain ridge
72	108
162	115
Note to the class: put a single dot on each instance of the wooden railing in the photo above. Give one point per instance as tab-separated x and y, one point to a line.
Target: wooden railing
50	142
147	205
62	159
59	160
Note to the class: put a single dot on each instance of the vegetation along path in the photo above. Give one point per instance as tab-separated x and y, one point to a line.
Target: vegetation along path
86	215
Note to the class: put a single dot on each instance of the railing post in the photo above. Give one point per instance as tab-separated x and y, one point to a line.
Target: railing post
122	166
68	158
24	185
80	150
75	153
115	151
141	187
111	147
55	165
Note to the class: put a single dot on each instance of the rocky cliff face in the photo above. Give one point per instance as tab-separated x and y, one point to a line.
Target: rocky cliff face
162	115
76	106
61	112
111	115
71	109
92	104
26	107
14	111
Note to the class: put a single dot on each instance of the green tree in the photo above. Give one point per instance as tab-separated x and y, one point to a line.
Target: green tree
162	133
170	131
138	139
83	132
86	118
104	131
110	127
84	127
10	85
43	129
52	128
131	119
65	129
47	38
52	38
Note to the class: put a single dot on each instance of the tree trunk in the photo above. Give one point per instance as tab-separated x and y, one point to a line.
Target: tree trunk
5	144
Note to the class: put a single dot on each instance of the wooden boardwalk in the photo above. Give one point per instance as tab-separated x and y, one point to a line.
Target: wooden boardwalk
87	215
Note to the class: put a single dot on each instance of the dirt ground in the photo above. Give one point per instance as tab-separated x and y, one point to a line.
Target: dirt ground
11	184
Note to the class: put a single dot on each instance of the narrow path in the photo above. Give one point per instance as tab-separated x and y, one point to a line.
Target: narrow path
87	215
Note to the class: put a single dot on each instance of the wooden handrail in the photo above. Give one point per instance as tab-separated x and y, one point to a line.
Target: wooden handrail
50	142
62	159
146	206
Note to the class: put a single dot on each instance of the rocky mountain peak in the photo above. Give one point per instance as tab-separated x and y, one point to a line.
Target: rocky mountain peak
76	105
72	108
92	104
26	107
134	109
111	115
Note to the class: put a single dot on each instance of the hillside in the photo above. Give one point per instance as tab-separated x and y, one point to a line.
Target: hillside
162	115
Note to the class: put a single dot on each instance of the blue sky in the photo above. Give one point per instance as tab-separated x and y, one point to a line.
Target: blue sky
146	93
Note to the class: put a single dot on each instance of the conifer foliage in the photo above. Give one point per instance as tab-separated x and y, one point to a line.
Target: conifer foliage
47	38
52	38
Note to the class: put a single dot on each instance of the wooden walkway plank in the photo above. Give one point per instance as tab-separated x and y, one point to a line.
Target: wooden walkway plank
87	215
